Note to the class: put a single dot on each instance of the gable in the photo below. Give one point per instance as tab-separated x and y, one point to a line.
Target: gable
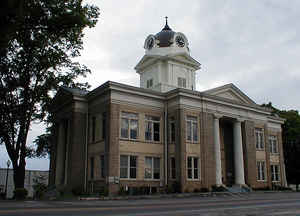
184	58
230	92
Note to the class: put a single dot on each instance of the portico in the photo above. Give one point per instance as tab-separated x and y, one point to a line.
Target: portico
228	146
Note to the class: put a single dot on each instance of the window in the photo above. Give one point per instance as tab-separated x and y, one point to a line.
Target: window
275	173
128	166
192	168
181	82
259	135
273	144
149	83
173	168
152	128
172	130
152	168
192	128
261	167
103	126
102	166
93	128
92	168
129	125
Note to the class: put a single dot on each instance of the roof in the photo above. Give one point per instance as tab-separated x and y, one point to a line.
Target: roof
75	91
165	36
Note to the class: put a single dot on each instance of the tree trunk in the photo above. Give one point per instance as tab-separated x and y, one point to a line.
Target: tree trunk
19	175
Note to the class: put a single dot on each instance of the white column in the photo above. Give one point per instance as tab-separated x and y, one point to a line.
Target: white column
217	150
238	153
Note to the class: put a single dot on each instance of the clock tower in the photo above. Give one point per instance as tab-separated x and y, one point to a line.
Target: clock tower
167	63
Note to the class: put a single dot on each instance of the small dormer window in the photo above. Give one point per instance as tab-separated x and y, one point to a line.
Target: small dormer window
181	82
149	83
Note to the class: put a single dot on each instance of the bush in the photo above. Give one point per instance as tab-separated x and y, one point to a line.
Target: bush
20	193
176	187
280	188
39	187
267	188
216	188
197	190
204	190
77	191
2	195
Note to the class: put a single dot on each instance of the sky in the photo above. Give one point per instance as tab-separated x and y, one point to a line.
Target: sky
253	44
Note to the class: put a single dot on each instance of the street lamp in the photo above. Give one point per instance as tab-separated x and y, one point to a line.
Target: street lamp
8	165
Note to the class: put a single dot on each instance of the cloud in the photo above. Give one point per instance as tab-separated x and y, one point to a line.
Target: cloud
253	44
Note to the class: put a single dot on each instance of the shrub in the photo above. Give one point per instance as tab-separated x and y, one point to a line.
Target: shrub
204	190
77	191
2	195
176	187
216	188
39	187
20	193
197	190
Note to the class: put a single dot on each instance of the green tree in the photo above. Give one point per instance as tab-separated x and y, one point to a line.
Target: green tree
39	59
290	142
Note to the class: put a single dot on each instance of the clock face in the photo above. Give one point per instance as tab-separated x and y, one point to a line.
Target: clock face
150	43
180	41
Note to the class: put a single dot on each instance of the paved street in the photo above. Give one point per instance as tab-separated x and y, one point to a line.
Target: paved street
247	204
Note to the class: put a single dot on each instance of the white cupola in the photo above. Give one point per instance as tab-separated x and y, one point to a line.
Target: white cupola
167	63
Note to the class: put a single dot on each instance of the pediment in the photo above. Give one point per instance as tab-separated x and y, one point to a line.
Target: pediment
230	92
187	59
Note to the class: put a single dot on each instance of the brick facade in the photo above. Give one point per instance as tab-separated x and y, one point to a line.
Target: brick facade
112	145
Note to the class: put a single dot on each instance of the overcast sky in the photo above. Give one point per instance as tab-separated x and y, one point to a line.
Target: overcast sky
253	44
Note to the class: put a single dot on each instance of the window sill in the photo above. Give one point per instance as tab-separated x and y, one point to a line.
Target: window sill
192	142
262	181
275	153
260	149
193	180
152	179
128	179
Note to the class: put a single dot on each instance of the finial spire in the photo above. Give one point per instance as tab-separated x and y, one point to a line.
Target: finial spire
166	26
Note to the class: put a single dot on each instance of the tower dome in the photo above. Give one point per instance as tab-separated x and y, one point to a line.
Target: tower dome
166	42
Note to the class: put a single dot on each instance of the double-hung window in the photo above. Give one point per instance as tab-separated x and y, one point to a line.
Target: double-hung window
192	128
181	82
273	144
152	168
172	130
92	167
152	128
128	166
149	83
275	173
102	166
261	167
193	168
173	168
129	125
259	136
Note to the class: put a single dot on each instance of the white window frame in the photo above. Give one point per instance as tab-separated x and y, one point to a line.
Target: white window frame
152	120
273	144
261	170
149	83
193	169
130	117
192	121
181	82
152	168
275	176
259	139
129	166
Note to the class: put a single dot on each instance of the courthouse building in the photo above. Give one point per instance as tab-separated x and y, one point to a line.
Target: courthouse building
164	131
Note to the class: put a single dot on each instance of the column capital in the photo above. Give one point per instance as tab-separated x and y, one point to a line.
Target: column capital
239	120
217	116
